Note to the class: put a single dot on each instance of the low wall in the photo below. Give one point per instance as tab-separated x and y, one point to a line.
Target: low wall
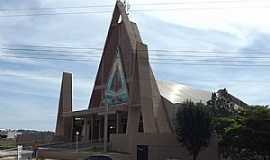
178	152
61	154
29	139
119	143
122	143
160	146
164	152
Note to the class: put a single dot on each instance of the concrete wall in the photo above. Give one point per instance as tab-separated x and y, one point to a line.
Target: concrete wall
164	152
161	147
61	154
121	143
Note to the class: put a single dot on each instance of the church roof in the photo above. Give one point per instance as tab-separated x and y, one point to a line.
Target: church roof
178	93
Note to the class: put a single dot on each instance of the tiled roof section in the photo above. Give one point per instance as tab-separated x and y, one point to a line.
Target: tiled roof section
224	93
178	93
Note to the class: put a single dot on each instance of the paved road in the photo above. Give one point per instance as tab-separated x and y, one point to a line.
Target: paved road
8	158
6	154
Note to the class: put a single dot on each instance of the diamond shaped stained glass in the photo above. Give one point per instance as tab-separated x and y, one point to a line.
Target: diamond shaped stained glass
116	90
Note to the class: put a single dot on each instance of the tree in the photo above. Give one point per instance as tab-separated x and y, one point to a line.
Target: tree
193	127
243	131
248	137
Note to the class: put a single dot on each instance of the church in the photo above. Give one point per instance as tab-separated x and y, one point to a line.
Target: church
128	106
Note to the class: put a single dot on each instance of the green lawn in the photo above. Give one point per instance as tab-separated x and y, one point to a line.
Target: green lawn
7	144
92	150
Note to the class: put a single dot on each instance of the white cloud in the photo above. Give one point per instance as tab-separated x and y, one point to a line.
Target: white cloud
238	18
199	29
49	83
23	74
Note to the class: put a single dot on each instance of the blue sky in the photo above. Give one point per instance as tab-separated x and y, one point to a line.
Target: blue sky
29	88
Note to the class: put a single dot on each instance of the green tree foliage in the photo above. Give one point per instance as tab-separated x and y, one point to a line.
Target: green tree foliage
193	127
243	132
248	136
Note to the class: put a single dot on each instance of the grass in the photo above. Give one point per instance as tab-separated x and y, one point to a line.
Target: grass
7	144
92	149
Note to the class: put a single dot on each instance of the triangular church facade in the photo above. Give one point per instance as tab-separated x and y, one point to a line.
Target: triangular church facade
125	64
126	107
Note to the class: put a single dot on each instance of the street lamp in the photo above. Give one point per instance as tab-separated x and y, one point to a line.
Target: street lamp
77	140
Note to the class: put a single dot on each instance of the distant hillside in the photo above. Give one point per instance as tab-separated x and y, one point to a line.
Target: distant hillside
28	137
23	131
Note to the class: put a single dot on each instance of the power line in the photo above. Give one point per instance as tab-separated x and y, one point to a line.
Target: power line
84	48
198	8
201	80
153	57
211	56
232	81
158	57
204	80
85	58
132	11
213	64
208	60
205	51
46	58
53	14
43	50
55	8
50	46
134	4
194	2
56	55
154	50
181	62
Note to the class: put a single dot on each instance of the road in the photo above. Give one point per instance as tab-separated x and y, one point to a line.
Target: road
6	154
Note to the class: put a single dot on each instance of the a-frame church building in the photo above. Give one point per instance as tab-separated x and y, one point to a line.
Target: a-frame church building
128	106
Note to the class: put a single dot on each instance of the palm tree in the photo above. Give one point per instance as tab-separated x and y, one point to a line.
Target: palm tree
193	127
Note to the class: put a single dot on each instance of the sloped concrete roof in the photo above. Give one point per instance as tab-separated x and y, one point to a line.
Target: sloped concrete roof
178	93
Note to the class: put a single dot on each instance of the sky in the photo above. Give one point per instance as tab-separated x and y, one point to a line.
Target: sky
30	87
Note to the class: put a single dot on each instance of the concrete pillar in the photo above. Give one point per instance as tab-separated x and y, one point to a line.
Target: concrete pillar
117	122
99	129
85	131
132	127
133	121
92	128
105	135
145	91
64	124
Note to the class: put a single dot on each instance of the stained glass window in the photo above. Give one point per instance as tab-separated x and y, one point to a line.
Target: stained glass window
116	90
